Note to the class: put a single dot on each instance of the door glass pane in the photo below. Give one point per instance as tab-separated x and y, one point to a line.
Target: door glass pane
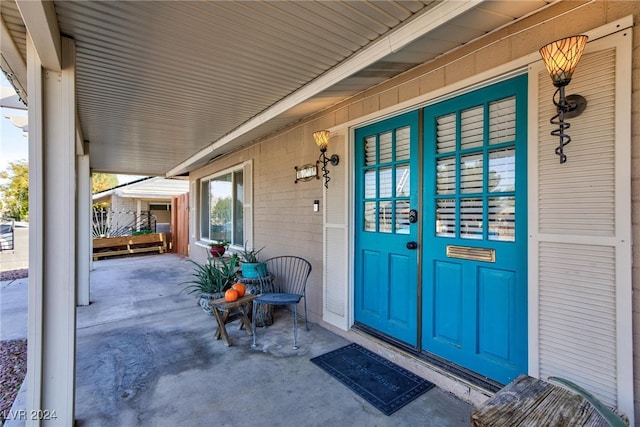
446	176
385	217
446	133
471	173
472	128
370	216
370	150
403	181
370	184
386	147
402	143
402	217
385	182
471	218
502	121
502	170
502	218
446	218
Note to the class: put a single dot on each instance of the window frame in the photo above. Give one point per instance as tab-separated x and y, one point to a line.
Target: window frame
247	218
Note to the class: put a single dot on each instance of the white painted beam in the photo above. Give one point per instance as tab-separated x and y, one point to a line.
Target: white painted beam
83	229
42	24
52	239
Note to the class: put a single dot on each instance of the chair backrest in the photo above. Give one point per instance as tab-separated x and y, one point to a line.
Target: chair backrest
290	273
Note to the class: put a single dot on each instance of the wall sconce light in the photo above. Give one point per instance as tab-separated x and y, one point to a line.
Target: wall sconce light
561	58
322	140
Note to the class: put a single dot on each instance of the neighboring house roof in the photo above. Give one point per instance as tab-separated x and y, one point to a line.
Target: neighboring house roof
147	188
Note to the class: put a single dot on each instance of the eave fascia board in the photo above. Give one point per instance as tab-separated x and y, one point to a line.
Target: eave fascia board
40	19
421	25
12	62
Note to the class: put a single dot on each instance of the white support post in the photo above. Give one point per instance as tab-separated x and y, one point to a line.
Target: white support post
52	240
83	230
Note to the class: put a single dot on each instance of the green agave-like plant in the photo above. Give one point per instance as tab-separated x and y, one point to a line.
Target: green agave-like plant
607	413
212	277
249	255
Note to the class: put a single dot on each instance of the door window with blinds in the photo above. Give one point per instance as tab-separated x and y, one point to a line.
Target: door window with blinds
386	182
475	172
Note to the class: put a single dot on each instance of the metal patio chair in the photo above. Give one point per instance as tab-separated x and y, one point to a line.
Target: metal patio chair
289	282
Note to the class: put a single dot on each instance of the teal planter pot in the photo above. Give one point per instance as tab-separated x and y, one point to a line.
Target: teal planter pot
251	270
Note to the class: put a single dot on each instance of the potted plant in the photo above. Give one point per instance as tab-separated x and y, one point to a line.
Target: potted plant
211	280
251	265
218	247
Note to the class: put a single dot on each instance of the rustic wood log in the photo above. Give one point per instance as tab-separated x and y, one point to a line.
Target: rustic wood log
528	401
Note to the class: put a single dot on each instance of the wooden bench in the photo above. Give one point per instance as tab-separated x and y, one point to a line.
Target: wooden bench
528	401
109	246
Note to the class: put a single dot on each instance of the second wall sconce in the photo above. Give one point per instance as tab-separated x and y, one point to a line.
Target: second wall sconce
561	58
322	140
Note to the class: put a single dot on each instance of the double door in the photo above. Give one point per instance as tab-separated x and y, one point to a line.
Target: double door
440	261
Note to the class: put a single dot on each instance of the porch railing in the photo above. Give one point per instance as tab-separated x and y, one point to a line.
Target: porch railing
109	223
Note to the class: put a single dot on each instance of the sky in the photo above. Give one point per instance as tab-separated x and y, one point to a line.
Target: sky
14	146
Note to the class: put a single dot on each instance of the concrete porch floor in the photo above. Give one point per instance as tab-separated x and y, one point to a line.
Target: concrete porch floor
146	356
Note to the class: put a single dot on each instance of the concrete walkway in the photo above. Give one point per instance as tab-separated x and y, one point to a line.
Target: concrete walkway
146	357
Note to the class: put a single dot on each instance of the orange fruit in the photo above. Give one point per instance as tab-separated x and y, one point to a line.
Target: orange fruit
231	295
240	288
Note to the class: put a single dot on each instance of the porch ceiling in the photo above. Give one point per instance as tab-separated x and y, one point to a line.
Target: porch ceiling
165	86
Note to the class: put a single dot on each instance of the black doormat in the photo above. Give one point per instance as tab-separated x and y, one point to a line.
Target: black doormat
380	382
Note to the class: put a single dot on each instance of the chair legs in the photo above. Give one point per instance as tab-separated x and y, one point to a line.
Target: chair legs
295	326
306	322
294	313
253	324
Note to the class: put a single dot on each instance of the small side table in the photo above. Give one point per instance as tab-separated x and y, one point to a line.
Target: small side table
256	286
226	312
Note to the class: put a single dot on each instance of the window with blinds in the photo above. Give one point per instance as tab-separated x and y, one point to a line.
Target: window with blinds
475	172
387	182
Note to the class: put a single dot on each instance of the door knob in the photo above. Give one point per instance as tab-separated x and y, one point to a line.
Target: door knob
412	245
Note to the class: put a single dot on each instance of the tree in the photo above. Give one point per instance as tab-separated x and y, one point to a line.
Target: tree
102	182
15	190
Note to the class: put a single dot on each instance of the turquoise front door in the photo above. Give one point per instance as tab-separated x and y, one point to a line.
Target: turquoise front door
386	285
474	241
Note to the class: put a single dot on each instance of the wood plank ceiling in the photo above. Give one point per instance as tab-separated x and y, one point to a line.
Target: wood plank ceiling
164	86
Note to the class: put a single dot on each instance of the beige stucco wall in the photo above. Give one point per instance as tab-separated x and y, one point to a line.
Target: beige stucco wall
283	216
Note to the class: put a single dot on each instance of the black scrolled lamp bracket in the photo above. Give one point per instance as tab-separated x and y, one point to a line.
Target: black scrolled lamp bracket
334	160
567	107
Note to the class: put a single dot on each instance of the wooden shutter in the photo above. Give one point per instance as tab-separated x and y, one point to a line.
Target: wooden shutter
336	249
580	216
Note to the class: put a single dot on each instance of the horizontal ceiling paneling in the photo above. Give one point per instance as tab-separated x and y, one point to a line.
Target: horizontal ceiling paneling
183	74
160	81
